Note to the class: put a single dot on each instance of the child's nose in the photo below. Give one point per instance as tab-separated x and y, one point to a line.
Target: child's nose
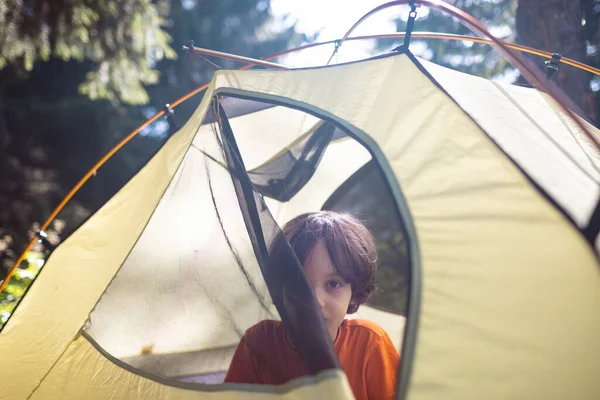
320	298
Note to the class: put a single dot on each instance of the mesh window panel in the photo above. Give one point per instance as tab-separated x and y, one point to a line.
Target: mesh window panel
284	176
281	269
212	261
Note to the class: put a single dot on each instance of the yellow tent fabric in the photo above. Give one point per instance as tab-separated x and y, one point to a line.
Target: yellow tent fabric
506	298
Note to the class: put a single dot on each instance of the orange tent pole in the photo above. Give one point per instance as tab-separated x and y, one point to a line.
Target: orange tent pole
74	190
399	35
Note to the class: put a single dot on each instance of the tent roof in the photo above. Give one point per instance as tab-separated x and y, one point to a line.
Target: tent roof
528	126
498	273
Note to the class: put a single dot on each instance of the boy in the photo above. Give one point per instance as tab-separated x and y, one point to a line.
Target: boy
338	257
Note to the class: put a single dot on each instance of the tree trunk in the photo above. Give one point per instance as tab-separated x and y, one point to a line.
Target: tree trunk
555	26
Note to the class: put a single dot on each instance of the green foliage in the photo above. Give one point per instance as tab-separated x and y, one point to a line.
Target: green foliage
477	59
123	38
31	265
18	285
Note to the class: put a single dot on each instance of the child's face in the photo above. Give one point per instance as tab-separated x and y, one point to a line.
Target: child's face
332	292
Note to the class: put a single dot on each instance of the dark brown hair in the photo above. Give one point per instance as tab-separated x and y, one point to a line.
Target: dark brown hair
349	243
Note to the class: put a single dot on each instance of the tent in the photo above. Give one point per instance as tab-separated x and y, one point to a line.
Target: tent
496	189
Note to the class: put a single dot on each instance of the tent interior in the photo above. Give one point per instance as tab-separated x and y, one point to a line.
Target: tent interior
185	318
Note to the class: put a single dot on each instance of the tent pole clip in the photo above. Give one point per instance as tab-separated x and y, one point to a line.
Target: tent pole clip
337	45
190	50
553	65
413	10
43	240
188	47
170	116
410	23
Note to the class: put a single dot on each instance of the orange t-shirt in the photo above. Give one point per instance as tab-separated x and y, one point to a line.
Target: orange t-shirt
366	353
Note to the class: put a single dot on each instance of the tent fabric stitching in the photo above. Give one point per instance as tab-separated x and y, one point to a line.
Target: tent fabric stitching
62	353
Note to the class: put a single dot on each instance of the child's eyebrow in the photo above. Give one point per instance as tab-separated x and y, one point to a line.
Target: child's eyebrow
335	275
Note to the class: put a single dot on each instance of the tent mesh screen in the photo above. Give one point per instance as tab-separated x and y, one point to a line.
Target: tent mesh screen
284	176
280	267
212	260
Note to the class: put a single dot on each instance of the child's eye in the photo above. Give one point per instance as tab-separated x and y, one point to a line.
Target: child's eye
333	284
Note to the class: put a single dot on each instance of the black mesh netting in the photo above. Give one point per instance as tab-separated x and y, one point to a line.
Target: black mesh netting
282	177
281	269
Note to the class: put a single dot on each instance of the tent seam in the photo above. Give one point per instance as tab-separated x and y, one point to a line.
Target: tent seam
53	365
537	188
186	150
